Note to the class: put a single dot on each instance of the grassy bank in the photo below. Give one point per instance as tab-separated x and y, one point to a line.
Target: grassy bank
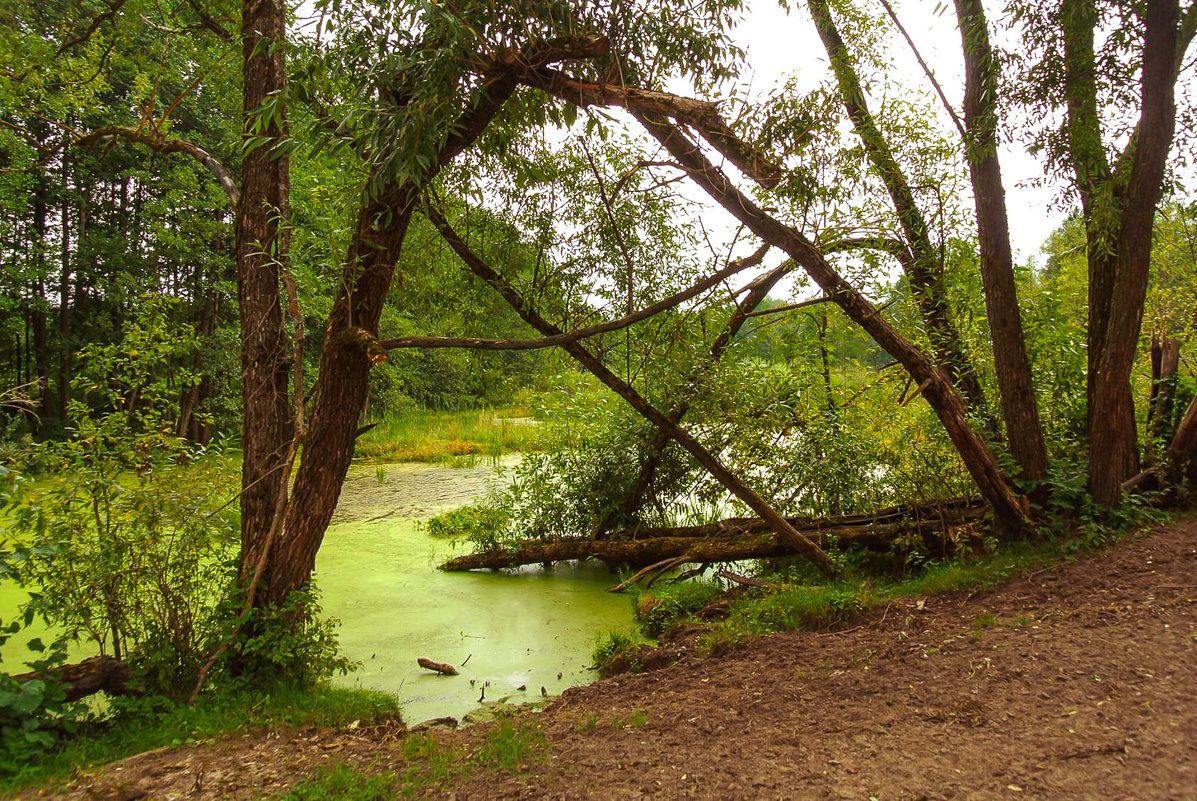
155	725
800	603
429	436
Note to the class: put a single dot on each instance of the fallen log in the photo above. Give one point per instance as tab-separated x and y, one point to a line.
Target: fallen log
957	511
744	545
85	678
443	668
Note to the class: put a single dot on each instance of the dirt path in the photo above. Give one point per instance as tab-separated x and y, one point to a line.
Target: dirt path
1077	682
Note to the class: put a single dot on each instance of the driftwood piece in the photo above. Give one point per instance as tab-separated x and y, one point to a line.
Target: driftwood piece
741	579
443	668
88	677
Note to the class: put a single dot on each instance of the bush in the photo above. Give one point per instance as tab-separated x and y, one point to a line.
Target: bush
127	546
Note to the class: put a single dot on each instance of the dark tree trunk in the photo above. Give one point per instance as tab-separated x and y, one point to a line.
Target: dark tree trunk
64	297
37	301
261	246
1020	411
195	393
1113	443
1165	363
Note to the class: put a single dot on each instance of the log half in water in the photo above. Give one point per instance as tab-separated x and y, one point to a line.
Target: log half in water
711	548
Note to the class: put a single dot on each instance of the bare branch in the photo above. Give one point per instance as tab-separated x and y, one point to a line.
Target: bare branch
156	143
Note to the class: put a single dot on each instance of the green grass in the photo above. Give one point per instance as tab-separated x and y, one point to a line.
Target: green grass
150	726
824	606
455	437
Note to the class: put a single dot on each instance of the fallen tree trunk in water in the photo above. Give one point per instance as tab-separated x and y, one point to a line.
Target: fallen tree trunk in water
86	678
743	538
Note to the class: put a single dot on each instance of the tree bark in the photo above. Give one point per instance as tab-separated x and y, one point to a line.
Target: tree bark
939	527
262	242
1020	410
1165	363
1113	443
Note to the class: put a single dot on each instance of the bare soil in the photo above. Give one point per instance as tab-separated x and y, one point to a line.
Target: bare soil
1074	682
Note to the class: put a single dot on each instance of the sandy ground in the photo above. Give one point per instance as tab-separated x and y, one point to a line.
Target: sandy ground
1075	682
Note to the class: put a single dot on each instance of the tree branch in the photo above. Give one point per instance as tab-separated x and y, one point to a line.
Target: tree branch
157	143
590	331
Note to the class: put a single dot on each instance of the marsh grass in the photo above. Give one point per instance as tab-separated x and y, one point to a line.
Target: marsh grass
459	438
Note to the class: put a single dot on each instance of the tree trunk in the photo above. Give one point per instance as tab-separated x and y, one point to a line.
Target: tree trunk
1113	444
937	527
1165	363
64	292
925	270
262	244
1020	410
195	393
1182	453
37	303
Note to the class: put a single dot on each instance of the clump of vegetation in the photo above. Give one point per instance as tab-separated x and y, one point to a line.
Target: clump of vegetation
662	606
506	747
618	651
141	724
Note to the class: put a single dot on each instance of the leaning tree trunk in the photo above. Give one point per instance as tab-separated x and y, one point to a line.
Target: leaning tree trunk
350	337
937	388
261	247
924	269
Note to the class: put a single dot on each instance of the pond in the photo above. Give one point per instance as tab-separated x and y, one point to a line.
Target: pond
376	570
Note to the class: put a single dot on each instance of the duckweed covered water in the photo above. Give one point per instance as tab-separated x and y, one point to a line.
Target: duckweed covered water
377	571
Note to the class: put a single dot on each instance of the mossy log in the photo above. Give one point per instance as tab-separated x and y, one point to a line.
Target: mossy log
733	540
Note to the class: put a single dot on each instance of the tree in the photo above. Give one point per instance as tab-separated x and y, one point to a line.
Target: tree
1118	187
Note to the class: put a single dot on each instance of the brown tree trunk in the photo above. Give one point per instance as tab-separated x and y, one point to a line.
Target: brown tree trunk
37	304
64	299
1182	453
1113	444
1165	363
261	246
195	393
1020	410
